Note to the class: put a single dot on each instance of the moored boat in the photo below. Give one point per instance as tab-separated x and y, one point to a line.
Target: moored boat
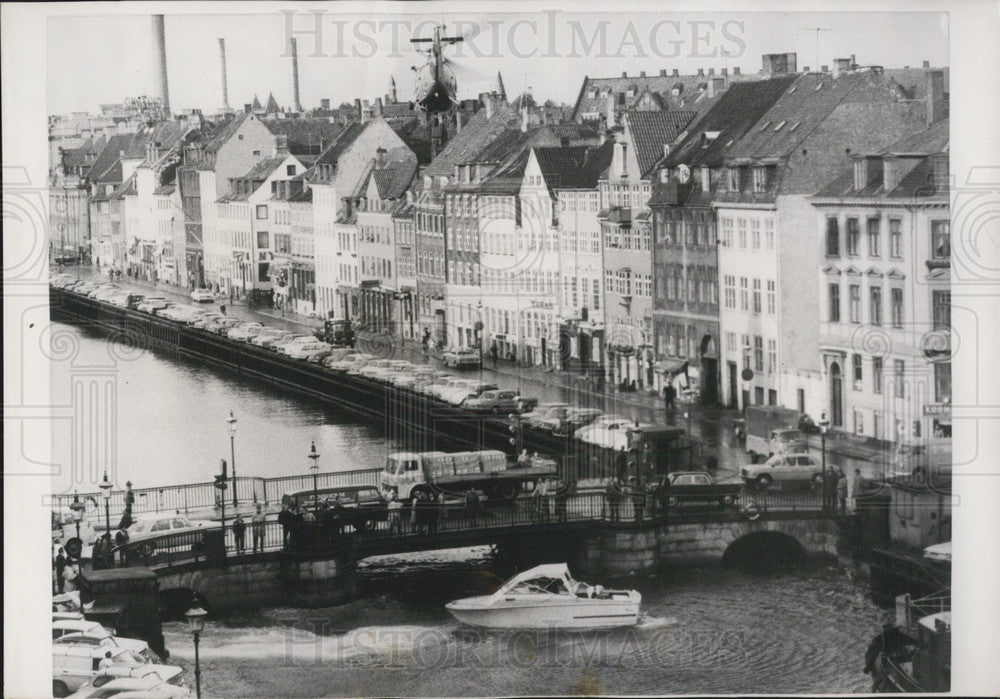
547	597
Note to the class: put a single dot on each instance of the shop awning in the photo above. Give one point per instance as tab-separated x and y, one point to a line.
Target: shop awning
670	366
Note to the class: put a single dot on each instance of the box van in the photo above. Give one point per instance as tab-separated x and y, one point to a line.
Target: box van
76	665
361	506
916	461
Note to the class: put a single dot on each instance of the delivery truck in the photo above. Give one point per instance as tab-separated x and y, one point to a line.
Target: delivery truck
772	430
407	473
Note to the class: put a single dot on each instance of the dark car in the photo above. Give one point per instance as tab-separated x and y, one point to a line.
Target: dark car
699	487
358	506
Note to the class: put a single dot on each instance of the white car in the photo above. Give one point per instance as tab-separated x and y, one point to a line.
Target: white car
151	304
612	433
202	296
375	367
151	526
293	340
462	357
472	389
304	349
245	331
179	313
350	362
76	665
269	336
784	468
150	680
546	416
103	293
93	633
221	326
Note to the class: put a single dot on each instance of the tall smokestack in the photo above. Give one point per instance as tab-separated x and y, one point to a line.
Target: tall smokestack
160	61
225	83
295	74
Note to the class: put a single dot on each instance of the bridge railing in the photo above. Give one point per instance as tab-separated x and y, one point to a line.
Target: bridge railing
214	543
190	496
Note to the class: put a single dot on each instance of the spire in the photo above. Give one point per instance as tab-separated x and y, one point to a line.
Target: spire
499	89
392	89
272	105
256	104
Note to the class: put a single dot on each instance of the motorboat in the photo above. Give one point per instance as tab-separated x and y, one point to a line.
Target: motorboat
548	597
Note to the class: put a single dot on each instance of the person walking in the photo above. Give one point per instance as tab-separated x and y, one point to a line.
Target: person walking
494	353
842	491
542	501
285	518
222	308
613	496
240	534
61	570
562	501
858	486
414	499
258	520
395	515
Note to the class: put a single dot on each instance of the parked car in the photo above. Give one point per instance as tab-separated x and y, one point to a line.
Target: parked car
179	313
349	362
221	326
318	357
466	390
784	468
154	525
376	366
202	296
462	358
358	362
337	354
304	349
914	462
103	293
76	665
688	487
151	304
161	680
93	633
575	419
357	506
547	416
421	379
282	345
494	401
245	331
610	433
271	337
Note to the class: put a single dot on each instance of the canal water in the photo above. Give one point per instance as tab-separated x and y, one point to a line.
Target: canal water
706	630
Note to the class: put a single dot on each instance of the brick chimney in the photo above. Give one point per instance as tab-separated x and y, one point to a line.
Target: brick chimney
736	70
663	72
725	71
701	72
642	74
927	64
936	108
624	74
609	113
325	104
676	72
711	71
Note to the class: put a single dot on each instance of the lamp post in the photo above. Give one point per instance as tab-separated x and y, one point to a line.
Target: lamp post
77	509
824	424
106	491
314	467
232	453
687	416
196	622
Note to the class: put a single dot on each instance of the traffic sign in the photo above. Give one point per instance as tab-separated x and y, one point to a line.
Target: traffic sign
747	374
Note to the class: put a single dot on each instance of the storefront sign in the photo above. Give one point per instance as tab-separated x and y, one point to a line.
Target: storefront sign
937	410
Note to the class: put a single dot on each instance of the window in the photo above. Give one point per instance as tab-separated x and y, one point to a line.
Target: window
834	296
858	371
741	228
832	238
772	356
877	375
727	232
755	234
853	236
734	179
859	422
876	305
759	179
898	369
746	351
758	353
730	282
756	295
731	342
941	240
262	212
942	382
941	301
290	170
895	237
855	301
769	234
896	299
744	295
262	239
874	237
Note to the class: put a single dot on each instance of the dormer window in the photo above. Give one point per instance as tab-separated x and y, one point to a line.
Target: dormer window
734	179
860	174
706	179
759	179
592	94
664	175
890	174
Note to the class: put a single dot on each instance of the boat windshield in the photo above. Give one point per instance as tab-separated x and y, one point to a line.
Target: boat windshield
540	586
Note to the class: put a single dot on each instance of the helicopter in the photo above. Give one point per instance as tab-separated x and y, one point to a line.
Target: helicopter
436	87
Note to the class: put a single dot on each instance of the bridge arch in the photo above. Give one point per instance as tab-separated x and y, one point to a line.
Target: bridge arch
764	548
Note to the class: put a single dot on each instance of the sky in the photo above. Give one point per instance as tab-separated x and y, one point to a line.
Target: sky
103	59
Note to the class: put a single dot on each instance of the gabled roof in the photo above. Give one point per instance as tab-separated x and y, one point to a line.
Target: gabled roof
224	132
931	141
306	136
651	130
262	170
340	143
559	166
394	178
474	138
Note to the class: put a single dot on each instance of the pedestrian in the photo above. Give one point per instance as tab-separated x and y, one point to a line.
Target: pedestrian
222	308
240	534
669	395
472	506
61	570
612	495
494	353
395	515
638	503
285	519
859	486
542	501
562	500
433	513
106	661
842	491
414	499
121	537
258	520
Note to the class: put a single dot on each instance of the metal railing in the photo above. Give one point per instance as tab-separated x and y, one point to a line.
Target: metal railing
379	528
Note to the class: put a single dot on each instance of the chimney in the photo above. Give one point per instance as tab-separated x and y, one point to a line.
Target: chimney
701	72
225	84
524	118
281	144
805	69
778	63
609	114
854	62
247	108
716	86
725	71
936	109
927	64
676	72
736	70
160	61
489	106
458	122
381	156
642	74
841	65
359	110
663	72
378	106
711	71
324	104
297	104
824	69
624	74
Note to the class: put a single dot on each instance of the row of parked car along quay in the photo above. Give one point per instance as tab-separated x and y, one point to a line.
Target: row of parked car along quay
588	428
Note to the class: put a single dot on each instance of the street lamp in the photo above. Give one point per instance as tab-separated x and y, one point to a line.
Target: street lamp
77	509
106	490
196	622
824	425
232	452
314	457
687	416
